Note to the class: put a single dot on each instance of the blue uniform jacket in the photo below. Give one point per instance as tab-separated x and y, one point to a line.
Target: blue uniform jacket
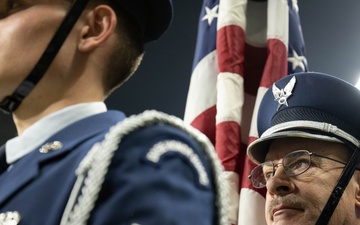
135	190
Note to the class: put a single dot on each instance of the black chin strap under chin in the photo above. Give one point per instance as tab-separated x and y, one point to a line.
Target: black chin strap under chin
12	102
340	186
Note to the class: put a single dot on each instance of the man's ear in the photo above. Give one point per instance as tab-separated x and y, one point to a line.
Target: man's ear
357	194
99	25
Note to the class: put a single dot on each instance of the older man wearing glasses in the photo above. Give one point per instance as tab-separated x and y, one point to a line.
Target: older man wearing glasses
308	151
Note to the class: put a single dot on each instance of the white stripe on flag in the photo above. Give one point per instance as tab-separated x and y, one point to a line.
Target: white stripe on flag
204	76
232	181
278	20
230	98
253	127
252	204
232	12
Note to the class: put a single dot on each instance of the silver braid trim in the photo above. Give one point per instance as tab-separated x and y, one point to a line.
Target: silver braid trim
93	168
161	148
326	127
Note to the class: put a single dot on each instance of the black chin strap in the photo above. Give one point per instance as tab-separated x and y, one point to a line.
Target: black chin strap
339	189
12	102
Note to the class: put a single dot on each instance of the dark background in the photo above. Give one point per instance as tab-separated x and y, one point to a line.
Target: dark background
332	37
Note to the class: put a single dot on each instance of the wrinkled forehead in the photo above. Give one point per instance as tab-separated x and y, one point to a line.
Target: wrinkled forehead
281	147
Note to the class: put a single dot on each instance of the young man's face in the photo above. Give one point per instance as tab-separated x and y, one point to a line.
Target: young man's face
26	27
301	199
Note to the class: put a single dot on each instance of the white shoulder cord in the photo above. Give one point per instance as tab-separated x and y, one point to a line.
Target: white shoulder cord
93	168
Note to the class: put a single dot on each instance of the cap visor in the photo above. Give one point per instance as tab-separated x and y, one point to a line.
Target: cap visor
258	149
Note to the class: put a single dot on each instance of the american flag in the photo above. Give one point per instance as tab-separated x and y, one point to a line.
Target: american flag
242	48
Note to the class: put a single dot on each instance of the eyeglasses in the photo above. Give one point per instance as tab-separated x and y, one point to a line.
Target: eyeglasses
294	163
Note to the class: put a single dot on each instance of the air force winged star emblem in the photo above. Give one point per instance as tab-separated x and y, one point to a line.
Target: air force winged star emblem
281	95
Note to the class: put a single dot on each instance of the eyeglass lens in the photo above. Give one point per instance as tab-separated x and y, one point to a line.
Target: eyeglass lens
295	163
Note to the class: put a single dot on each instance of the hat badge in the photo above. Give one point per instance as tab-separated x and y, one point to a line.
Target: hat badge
281	95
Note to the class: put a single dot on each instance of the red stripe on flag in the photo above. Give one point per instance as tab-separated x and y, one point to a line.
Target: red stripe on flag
205	122
230	49
276	64
228	144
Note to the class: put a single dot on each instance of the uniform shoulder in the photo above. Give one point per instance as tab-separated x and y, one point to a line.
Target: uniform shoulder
162	141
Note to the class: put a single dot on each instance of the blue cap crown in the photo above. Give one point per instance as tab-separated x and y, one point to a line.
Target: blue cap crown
312	105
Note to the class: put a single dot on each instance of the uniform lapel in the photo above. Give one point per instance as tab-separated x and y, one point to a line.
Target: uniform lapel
27	168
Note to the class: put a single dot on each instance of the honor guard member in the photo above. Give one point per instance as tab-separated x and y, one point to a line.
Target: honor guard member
307	155
73	161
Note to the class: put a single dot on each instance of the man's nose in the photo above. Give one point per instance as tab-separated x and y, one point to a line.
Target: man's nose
280	184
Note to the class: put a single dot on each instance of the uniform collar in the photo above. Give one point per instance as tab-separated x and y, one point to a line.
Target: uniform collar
40	131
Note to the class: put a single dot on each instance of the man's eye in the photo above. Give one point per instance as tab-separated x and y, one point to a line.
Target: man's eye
268	173
298	165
